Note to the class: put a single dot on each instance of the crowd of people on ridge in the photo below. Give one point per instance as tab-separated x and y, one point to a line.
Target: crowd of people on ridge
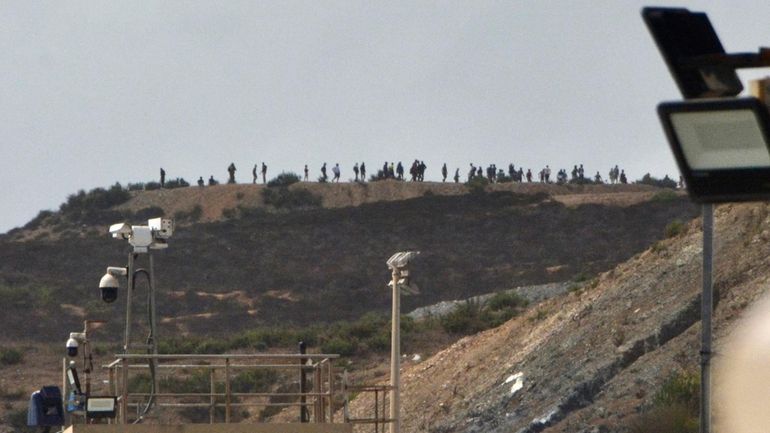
391	170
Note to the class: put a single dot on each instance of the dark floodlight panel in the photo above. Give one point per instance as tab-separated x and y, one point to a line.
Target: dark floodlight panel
721	147
681	35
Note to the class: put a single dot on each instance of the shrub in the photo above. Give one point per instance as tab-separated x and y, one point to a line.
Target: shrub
666	182
477	185
257	380
38	220
193	215
338	345
663	196
284	198
674	229
176	183
151	186
675	407
135	186
10	356
503	300
465	319
283	179
96	199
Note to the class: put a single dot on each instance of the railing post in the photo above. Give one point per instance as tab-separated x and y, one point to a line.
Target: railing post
213	400
331	390
227	390
303	415
124	393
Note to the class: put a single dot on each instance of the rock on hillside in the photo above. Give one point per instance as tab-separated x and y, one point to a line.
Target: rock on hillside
592	358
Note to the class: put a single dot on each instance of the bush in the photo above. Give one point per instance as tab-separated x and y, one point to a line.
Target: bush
257	380
666	182
176	183
663	196
477	185
151	186
283	179
38	220
338	345
10	356
465	319
676	407
193	215
284	198
135	186
96	199
674	229
503	300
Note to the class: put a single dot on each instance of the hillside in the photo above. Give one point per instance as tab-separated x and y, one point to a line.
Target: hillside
617	339
249	264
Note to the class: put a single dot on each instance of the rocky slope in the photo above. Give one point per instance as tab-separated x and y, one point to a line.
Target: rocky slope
592	358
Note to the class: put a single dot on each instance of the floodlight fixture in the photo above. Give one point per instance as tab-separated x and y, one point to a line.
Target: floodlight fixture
101	407
722	147
153	236
694	54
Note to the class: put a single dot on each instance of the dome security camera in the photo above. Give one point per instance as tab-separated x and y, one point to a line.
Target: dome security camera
72	347
109	288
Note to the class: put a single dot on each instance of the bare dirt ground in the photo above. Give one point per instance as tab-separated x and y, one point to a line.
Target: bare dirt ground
213	200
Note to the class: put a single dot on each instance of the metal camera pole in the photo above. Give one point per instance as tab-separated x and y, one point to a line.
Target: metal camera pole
707	308
395	355
151	299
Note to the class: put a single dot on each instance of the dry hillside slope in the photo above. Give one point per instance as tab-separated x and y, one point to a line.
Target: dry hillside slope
589	360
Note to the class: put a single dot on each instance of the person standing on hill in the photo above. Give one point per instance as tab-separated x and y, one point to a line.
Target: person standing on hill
323	172
306	172
201	182
231	170
254	174
400	171
529	175
363	172
162	177
443	172
336	171
264	172
623	178
355	170
457	175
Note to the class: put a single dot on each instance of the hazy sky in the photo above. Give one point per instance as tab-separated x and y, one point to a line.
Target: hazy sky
93	93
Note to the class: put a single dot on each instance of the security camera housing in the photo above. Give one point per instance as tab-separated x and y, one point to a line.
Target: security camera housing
72	347
109	288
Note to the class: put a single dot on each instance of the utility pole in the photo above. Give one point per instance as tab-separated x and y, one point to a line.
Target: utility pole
707	308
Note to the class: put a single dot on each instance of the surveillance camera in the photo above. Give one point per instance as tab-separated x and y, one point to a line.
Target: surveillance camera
120	230
72	347
109	287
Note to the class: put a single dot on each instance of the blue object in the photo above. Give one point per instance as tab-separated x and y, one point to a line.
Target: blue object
45	407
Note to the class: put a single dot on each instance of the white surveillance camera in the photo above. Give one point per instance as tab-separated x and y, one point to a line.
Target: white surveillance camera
72	347
109	283
121	230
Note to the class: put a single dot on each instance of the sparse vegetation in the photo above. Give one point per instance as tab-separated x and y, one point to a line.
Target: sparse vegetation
675	407
666	182
674	229
10	356
477	185
283	179
191	216
285	198
472	316
665	195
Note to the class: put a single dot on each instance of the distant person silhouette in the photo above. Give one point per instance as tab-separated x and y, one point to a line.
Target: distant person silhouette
336	171
457	175
306	172
355	170
623	178
363	172
201	182
443	172
162	177
264	172
231	171
212	181
254	174
323	173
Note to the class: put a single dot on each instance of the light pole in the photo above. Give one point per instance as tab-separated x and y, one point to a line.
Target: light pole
720	145
400	280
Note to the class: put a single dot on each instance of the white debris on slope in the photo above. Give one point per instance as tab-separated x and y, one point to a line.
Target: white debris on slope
518	381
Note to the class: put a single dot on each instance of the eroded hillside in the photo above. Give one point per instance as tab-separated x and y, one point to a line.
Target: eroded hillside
254	265
592	359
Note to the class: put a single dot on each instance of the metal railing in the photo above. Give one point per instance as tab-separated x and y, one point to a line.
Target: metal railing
380	404
317	400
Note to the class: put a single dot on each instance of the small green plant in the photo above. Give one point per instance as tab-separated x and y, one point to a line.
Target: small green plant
10	356
285	198
675	407
664	196
674	229
283	179
477	185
